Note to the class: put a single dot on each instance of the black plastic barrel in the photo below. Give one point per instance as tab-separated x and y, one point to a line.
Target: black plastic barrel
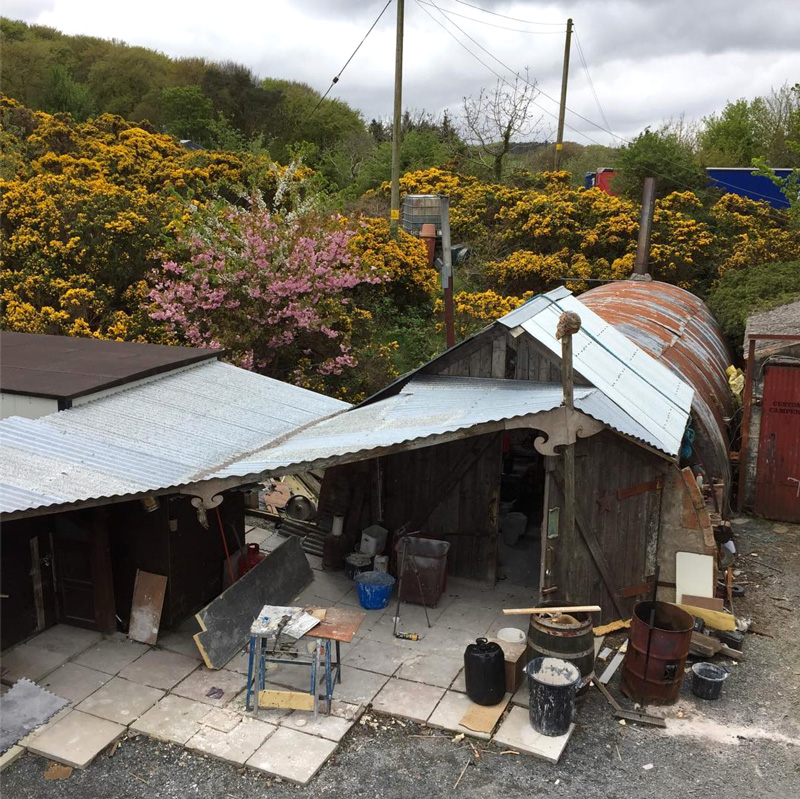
553	684
707	680
485	672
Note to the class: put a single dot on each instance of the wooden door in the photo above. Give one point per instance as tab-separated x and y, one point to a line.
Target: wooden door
73	556
778	469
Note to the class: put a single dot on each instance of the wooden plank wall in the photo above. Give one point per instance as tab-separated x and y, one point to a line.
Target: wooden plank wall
606	464
498	354
467	517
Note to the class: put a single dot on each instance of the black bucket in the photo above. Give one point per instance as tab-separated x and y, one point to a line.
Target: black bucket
707	680
552	683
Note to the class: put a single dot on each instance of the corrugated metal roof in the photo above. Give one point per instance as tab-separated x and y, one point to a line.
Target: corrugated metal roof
676	327
626	373
171	431
427	408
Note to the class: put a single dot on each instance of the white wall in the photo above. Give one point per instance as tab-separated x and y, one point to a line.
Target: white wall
23	405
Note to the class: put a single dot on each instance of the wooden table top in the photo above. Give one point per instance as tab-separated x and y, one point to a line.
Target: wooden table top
340	624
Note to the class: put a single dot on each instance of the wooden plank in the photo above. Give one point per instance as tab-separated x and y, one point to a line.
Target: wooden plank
641	488
225	622
148	602
711	603
292	700
612	627
597	554
498	368
483	718
636	590
614	665
564	609
713	618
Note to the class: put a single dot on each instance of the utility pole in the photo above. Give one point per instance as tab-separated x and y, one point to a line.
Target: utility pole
563	108
394	215
645	227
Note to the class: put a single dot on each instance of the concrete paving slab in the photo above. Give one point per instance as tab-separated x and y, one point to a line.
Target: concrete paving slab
412	617
29	661
159	669
202	682
358	687
469	617
173	718
460	683
333	727
28	739
522	696
112	654
9	756
431	669
67	640
292	755
381	658
239	662
257	535
450	711
221	719
74	682
76	739
25	709
516	732
501	621
445	641
236	745
182	642
269	714
410	700
329	585
121	701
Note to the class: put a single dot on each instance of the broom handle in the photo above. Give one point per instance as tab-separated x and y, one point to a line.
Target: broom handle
565	609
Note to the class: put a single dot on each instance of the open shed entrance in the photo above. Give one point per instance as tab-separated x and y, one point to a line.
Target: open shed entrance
522	480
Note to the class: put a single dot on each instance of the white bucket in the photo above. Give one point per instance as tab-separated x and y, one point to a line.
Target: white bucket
511	635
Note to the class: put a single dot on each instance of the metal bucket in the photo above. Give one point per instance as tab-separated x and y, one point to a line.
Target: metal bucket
571	642
655	679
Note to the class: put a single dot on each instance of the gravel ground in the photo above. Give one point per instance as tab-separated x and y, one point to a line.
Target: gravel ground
748	741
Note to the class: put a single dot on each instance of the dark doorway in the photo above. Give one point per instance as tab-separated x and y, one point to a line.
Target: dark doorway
74	566
521	507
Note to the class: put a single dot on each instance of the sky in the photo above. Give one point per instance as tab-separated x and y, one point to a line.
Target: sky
649	60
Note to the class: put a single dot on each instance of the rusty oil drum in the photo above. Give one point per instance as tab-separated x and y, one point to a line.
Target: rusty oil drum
570	642
669	646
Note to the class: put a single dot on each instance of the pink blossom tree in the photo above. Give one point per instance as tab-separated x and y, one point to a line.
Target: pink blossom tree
276	290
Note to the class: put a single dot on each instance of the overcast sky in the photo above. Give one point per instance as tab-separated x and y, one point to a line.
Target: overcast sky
650	60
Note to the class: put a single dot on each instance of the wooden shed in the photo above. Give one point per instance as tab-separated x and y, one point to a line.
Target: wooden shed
467	449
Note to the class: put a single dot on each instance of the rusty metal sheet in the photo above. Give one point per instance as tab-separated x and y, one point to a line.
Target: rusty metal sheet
778	471
676	327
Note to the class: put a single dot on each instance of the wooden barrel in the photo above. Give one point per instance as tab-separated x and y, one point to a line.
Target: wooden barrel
573	642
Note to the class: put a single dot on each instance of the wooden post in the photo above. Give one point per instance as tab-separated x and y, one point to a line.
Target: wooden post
447	275
747	410
645	227
394	215
104	606
563	106
567	382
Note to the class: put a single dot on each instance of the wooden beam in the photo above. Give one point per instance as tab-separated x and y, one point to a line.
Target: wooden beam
597	554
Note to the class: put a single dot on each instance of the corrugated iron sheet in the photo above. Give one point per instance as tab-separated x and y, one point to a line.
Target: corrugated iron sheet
676	327
427	408
625	372
173	430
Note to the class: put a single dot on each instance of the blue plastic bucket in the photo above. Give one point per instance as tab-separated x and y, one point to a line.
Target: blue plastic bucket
374	589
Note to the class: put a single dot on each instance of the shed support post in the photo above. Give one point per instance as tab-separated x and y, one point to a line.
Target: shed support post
567	379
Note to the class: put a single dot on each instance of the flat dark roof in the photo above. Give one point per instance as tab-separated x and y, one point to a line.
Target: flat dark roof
63	368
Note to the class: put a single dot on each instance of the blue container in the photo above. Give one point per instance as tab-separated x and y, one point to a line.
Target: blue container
374	589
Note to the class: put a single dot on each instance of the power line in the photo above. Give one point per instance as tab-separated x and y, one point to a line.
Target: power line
589	79
346	63
505	16
450	13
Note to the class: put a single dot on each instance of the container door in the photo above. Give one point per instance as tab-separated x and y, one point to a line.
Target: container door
778	471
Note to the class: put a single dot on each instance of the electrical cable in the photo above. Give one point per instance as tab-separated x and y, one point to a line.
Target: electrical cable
589	79
346	63
505	16
493	25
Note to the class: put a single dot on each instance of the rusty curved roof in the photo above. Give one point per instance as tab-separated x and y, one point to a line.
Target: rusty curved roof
676	327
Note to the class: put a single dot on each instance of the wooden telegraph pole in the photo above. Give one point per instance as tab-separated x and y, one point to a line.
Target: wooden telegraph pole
394	215
563	107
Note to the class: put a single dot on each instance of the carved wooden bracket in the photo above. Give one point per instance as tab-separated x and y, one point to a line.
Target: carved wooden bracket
563	426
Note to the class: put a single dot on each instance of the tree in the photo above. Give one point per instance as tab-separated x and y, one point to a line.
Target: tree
62	93
187	113
730	138
660	154
743	292
494	119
